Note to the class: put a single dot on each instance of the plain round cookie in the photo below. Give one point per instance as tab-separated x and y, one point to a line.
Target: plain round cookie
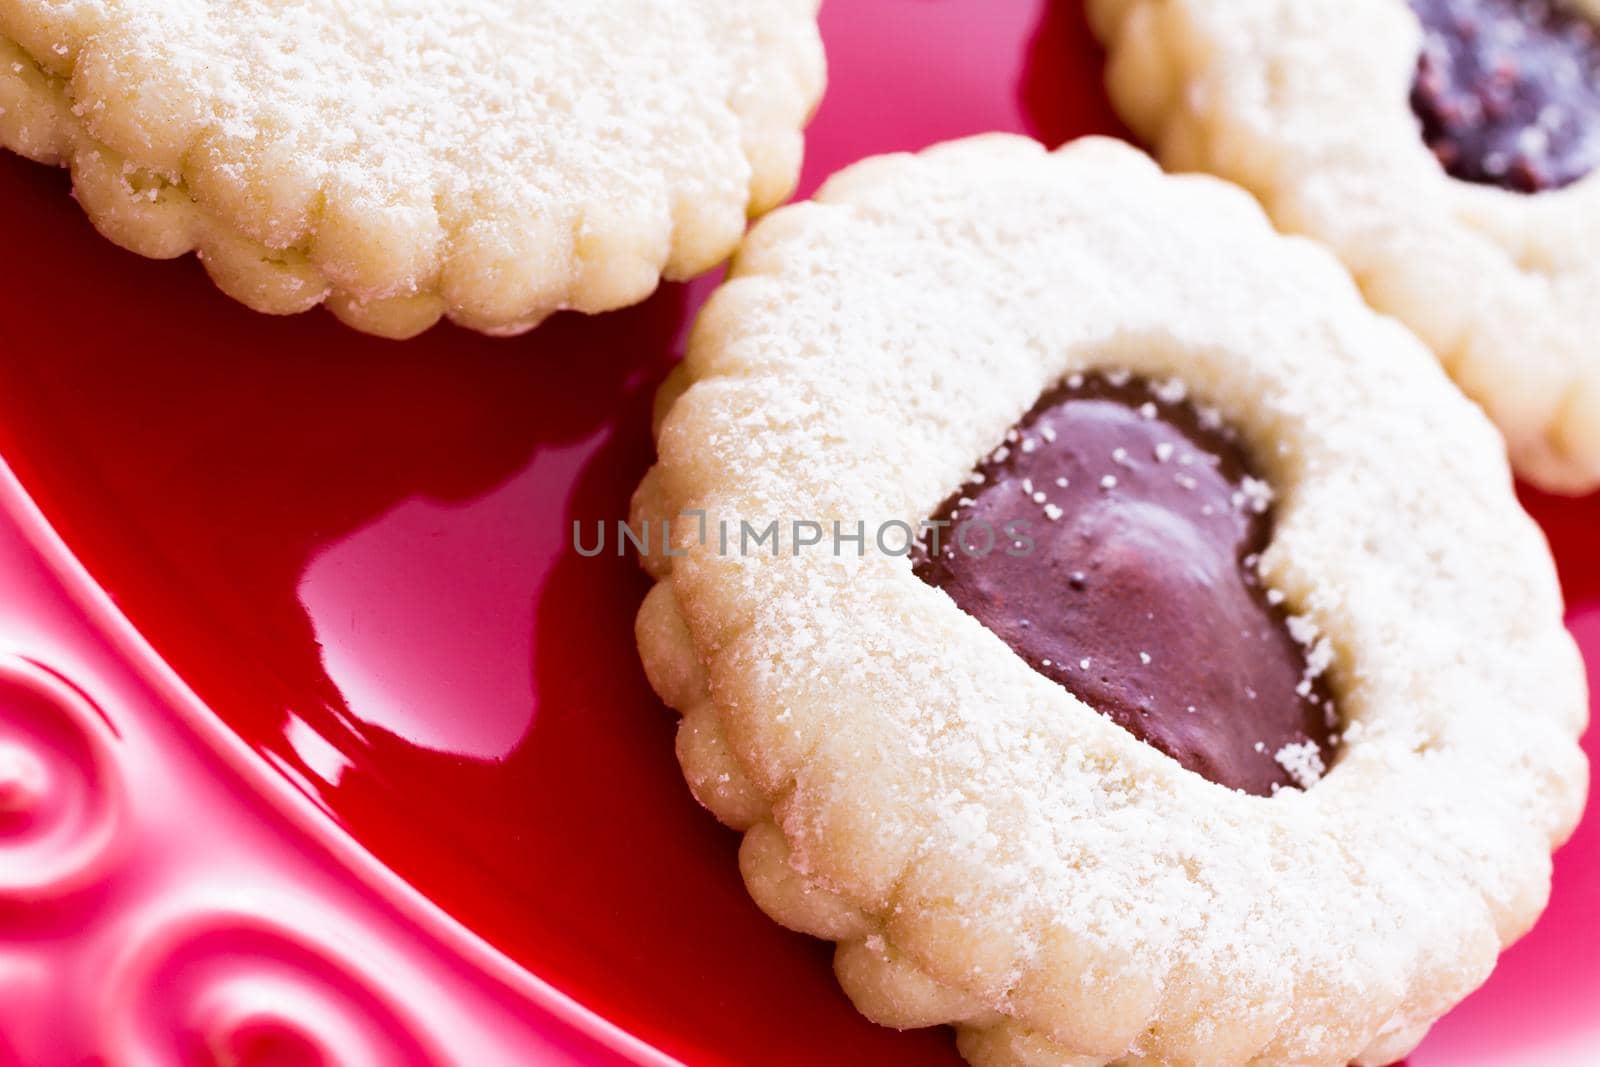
986	849
491	161
1306	103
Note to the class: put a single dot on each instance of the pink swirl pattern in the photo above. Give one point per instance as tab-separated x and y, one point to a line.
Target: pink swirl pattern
61	796
229	988
167	899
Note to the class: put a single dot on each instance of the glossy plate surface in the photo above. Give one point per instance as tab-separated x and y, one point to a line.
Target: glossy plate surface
355	554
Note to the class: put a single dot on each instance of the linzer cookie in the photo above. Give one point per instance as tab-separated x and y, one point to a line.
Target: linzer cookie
1075	593
487	160
1444	149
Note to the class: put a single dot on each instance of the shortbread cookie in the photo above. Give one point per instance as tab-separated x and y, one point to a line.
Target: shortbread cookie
492	161
1205	735
1444	149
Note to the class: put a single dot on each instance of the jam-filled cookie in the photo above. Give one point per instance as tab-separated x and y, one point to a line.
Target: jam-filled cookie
487	160
1444	149
1078	597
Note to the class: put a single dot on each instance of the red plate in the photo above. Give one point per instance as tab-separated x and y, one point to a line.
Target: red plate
355	553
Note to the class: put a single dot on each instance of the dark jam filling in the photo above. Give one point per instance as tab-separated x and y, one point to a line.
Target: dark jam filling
1134	581
1508	91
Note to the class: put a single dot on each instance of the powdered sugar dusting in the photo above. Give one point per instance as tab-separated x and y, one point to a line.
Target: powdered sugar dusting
1302	761
506	157
1022	863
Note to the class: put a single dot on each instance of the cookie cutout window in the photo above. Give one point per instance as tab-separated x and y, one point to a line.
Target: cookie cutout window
1508	91
1130	529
